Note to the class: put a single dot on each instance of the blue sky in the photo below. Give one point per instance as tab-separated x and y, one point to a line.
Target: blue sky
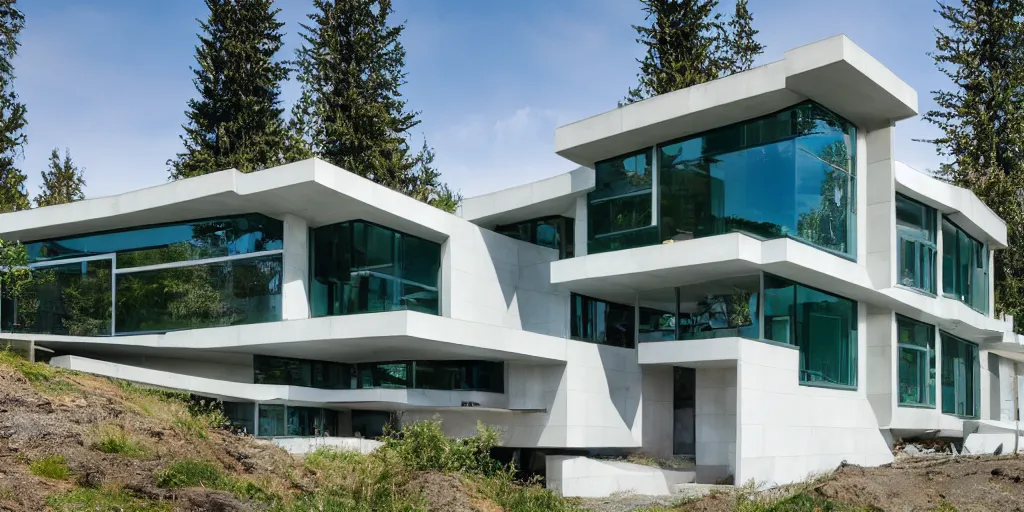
109	79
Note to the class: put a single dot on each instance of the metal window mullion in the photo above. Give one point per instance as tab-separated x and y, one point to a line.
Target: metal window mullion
113	296
655	160
207	261
69	261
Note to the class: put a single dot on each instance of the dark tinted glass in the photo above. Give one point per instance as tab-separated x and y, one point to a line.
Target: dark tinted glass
72	299
211	295
961	373
603	322
167	243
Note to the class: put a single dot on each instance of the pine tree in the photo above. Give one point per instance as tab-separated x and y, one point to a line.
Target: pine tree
688	44
62	181
743	47
982	120
13	194
351	112
237	120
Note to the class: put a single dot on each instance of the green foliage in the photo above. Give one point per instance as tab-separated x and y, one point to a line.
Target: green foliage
113	439
802	502
981	117
54	467
103	500
688	44
355	482
422	446
15	278
237	120
191	473
13	194
62	181
44	378
351	112
515	496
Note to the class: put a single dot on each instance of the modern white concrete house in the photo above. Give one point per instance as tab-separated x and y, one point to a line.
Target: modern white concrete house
739	272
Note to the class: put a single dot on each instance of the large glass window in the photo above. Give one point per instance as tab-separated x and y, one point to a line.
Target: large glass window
166	243
915	239
822	325
916	349
159	278
620	209
301	372
788	174
71	299
556	233
602	322
961	377
359	267
964	267
233	292
287	420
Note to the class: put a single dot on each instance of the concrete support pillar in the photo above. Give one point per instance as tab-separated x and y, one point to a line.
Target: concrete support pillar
878	244
581	226
295	274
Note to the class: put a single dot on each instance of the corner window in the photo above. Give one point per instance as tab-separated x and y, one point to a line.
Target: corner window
359	267
916	353
556	233
915	244
822	325
602	322
961	372
964	267
621	208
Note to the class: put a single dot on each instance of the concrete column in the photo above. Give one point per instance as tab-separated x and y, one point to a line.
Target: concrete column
581	226
881	372
295	274
876	226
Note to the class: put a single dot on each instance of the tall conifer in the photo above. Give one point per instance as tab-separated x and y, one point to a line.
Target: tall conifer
981	116
62	181
743	45
13	194
236	122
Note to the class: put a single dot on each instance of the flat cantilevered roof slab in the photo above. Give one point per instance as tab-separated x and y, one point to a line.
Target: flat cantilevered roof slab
834	72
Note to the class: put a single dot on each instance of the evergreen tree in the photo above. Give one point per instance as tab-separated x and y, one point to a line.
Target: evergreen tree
743	47
689	44
62	181
982	120
237	120
351	112
13	194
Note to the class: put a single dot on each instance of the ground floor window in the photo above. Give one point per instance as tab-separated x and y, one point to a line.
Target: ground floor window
286	420
961	372
916	353
822	325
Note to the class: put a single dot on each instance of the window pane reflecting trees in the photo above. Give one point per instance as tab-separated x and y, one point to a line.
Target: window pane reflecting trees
915	244
916	353
961	373
620	208
359	267
72	299
964	267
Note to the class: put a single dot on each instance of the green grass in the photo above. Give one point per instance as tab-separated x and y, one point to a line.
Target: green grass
113	439
54	467
103	500
45	378
6	493
197	473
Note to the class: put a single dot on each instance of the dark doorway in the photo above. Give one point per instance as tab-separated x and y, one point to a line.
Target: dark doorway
684	431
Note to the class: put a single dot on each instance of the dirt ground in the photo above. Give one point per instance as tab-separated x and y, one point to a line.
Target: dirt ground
946	483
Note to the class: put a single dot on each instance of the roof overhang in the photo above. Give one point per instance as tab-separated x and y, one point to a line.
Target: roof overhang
959	204
833	72
349	339
312	189
552	196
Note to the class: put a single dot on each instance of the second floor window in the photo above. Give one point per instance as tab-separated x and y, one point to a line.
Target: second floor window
915	244
964	267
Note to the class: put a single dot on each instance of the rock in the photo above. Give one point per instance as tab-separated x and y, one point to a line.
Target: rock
929	450
90	479
912	450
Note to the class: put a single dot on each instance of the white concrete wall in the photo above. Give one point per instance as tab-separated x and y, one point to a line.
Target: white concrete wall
789	431
227	367
594	401
591	478
716	403
876	227
658	414
1007	383
295	274
880	359
305	445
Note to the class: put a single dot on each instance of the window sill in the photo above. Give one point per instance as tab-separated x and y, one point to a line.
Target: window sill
959	417
918	291
916	406
826	385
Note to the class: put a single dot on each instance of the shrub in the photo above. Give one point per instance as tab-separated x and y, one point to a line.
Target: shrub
355	482
54	467
192	473
513	496
422	446
103	499
113	439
